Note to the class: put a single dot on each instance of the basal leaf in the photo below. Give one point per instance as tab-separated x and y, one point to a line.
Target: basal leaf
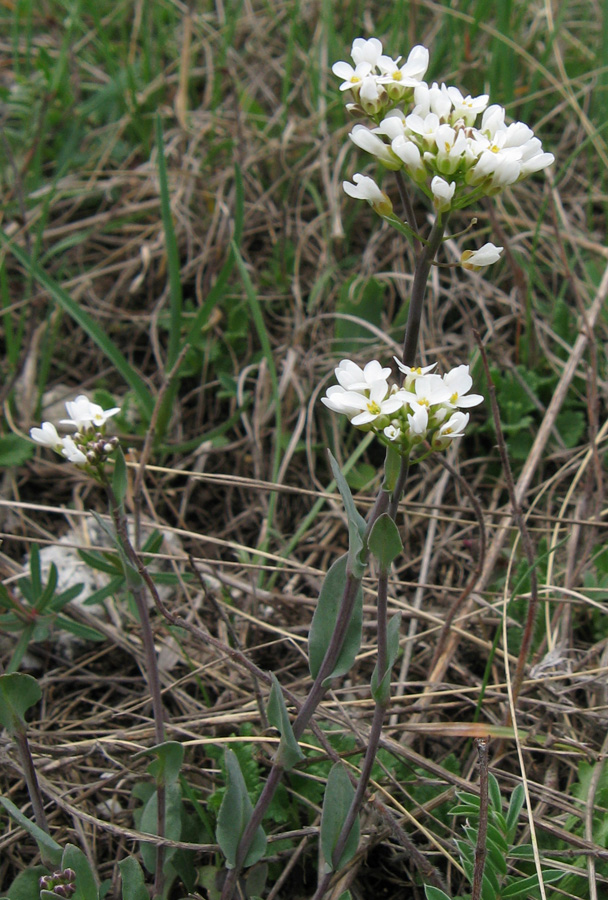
86	885
133	884
17	693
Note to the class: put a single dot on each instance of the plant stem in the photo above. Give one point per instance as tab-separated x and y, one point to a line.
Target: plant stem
31	779
482	831
423	267
152	673
315	695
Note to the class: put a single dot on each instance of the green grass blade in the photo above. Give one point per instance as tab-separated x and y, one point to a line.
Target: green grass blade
82	318
175	283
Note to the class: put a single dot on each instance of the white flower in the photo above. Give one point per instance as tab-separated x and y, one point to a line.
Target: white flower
366	51
453	428
392	125
458	382
84	414
372	95
367	405
363	138
392	432
410	73
73	453
46	435
412	372
353	378
442	193
427	391
485	256
425	127
418	421
365	188
493	120
451	146
351	78
408	153
467	108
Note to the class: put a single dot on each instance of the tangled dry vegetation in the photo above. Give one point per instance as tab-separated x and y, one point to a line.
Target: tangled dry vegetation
228	491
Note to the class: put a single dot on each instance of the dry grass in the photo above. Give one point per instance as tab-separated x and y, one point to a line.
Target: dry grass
98	232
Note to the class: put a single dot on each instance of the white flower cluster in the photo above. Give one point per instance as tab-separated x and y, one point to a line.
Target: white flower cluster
427	407
456	147
88	445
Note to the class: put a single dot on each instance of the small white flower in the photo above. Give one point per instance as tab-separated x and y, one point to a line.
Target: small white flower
366	51
353	378
372	95
458	382
365	188
442	193
84	414
412	372
425	127
363	138
427	391
477	259
46	435
73	453
363	407
410	73
351	78
451	146
392	125
453	428
392	432
466	108
418	421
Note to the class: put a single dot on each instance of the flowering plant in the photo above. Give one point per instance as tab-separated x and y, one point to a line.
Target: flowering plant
87	447
455	149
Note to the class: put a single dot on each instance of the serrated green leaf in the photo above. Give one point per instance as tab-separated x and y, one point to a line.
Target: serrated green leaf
338	797
50	849
356	522
133	884
381	692
234	815
289	752
17	693
385	541
86	885
324	623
